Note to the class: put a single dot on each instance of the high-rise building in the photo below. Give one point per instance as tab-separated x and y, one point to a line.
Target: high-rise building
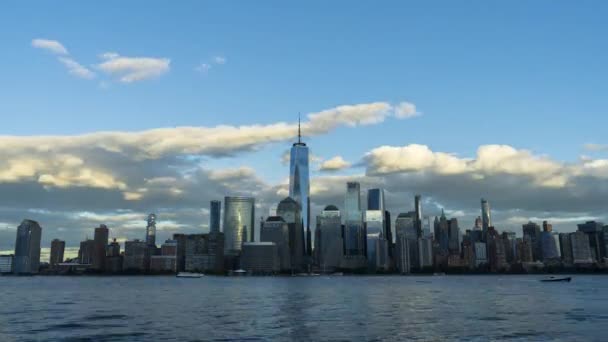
57	250
565	248
27	248
101	243
594	231
481	256
418	217
581	250
525	249
454	236
276	230
354	230
114	260
486	216
405	225
509	240
548	246
375	202
239	215
478	223
214	216
86	252
532	230
496	251
289	210
299	185
402	254
331	243
202	252
425	252
137	256
151	230
377	245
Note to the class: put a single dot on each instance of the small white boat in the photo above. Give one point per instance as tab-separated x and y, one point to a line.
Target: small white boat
189	275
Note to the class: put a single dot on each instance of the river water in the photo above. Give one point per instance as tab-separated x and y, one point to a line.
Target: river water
348	308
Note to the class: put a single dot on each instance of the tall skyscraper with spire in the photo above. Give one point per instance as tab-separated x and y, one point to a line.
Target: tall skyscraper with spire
299	185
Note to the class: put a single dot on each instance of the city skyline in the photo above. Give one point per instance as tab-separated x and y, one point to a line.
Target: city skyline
105	128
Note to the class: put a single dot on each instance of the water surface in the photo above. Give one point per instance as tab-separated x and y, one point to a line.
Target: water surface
392	308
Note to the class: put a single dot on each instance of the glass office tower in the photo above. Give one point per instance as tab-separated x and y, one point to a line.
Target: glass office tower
239	214
27	248
214	216
354	231
299	185
151	230
486	217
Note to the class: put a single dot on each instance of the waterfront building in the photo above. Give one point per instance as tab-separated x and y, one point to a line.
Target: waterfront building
354	229
478	223
581	250
377	246
331	243
57	250
276	230
289	210
425	252
27	248
509	240
405	225
565	247
86	252
402	254
375	202
496	251
594	231
167	260
454	237
203	252
525	249
215	213
442	233
114	259
418	214
100	241
137	256
532	230
486	215
426	227
481	257
181	251
547	242
239	215
299	187
6	263
260	258
151	230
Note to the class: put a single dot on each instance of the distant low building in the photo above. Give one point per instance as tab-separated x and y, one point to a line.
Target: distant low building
6	263
260	257
137	256
167	261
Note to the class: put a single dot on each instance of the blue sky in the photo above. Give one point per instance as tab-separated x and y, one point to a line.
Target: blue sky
530	75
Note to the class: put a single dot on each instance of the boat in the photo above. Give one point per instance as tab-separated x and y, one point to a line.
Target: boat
189	275
551	279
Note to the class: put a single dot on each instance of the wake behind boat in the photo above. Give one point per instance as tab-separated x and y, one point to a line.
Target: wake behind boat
189	275
552	279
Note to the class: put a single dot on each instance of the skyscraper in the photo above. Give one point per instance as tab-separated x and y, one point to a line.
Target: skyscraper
27	248
151	230
354	232
57	250
299	184
101	243
418	211
331	248
532	230
486	217
276	230
239	215
290	211
214	216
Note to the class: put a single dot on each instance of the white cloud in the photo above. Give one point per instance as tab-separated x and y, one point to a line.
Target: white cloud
50	45
76	68
405	110
133	69
219	60
203	68
334	164
490	160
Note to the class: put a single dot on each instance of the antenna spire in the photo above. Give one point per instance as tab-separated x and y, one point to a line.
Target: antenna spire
299	130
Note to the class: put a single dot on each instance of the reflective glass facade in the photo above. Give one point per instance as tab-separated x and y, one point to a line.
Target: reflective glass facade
299	183
486	218
239	214
27	247
214	216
